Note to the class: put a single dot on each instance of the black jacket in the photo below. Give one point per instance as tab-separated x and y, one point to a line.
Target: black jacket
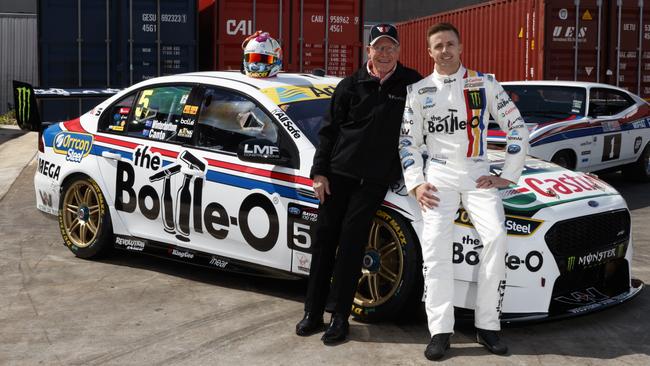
360	134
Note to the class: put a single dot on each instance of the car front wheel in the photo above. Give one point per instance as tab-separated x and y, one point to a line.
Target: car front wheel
84	220
391	280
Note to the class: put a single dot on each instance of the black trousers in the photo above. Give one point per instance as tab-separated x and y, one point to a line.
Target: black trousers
344	222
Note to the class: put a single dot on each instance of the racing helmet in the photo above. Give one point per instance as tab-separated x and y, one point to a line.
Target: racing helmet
262	55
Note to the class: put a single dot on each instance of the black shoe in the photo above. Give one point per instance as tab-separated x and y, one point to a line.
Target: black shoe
490	339
337	331
310	324
437	346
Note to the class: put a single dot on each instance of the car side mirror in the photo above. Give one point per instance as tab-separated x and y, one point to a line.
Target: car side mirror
261	151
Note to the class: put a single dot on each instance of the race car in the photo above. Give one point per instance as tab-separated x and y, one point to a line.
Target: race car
583	126
212	168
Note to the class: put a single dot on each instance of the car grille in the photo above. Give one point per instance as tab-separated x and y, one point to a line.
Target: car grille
582	234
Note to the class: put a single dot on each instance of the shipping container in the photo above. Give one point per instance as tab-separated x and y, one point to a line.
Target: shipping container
111	43
18	54
314	34
586	40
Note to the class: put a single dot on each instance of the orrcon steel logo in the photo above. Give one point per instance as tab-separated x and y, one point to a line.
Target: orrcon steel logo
24	95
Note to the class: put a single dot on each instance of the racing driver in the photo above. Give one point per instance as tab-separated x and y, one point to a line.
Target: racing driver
443	151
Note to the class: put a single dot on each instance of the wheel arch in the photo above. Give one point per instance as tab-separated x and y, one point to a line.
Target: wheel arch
570	153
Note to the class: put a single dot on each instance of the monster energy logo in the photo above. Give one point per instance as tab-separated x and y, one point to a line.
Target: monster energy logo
571	262
24	94
474	100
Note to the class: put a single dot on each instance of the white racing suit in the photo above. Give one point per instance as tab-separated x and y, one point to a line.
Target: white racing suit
444	142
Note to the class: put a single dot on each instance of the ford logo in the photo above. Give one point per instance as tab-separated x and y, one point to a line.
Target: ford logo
593	203
294	210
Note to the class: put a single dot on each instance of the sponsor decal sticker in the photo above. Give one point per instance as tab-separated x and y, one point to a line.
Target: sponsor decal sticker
637	144
428	89
286	122
24	100
289	94
132	244
218	262
48	169
513	149
300	227
190	109
75	146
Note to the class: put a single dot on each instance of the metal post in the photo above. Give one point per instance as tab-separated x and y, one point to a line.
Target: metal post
618	42
158	42
638	74
575	47
108	45
79	45
131	42
327	32
79	40
301	38
280	22
599	3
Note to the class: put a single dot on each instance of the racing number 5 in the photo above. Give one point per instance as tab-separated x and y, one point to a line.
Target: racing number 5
301	231
143	103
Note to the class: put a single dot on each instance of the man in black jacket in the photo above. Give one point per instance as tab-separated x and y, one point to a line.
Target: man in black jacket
353	167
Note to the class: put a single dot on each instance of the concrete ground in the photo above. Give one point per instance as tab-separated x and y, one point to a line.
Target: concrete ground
128	309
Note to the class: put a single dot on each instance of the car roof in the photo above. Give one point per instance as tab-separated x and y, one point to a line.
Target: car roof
281	79
580	84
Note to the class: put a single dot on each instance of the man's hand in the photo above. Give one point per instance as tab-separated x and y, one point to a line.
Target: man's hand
321	187
492	181
425	197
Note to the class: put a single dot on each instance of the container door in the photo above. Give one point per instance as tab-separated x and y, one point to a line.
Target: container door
568	58
331	36
645	51
626	40
236	20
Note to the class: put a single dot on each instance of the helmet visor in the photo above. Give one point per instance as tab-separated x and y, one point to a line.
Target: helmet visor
258	57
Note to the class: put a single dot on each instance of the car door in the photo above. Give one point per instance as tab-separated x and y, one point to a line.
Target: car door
615	145
139	145
239	204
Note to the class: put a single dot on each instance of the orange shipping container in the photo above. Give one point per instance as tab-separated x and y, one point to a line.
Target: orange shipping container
314	34
588	40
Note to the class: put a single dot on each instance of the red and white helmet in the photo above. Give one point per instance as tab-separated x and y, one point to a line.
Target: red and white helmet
262	55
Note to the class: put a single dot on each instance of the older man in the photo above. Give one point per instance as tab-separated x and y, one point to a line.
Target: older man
353	166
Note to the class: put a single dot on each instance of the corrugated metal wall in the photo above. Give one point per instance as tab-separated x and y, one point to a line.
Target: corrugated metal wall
18	54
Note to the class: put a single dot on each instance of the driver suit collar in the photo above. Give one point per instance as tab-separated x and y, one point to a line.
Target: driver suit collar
449	78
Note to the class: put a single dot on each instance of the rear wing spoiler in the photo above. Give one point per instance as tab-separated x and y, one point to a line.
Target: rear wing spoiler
26	106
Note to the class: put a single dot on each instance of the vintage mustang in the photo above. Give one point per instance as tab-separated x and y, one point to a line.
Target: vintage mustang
583	126
213	169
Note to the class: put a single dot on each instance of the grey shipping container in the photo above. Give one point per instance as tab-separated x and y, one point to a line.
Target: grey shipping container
111	44
18	52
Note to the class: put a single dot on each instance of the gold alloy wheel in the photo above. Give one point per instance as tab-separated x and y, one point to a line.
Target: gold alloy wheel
81	218
383	266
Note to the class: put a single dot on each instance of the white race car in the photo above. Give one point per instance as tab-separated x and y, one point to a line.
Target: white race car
583	126
213	169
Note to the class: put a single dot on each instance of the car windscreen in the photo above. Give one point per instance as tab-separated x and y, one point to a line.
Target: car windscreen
308	115
544	103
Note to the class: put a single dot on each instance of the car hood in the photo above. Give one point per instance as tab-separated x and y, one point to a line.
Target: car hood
544	184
